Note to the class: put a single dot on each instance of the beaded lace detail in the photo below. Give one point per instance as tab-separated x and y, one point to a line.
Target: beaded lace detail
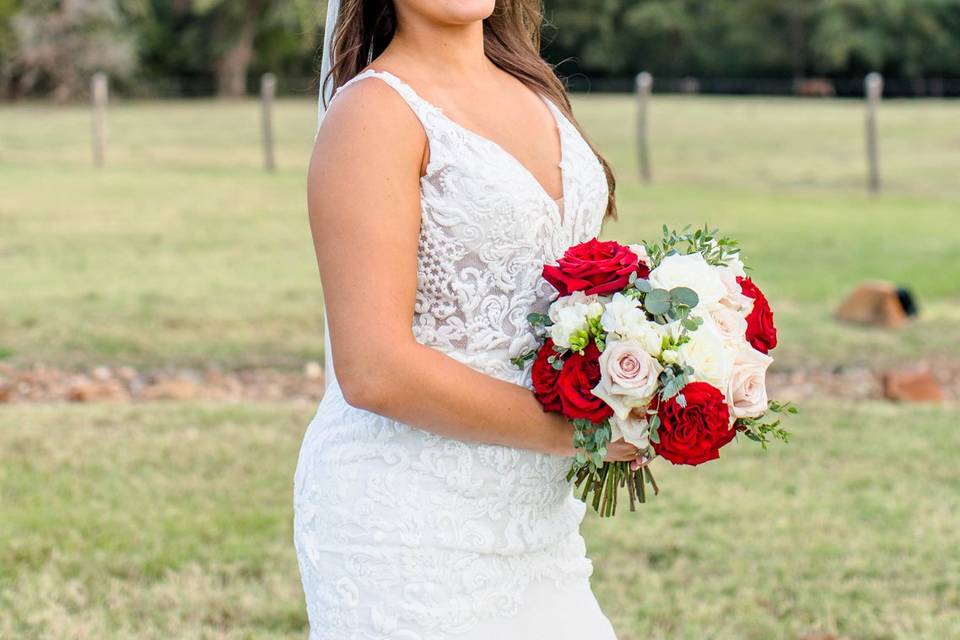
405	534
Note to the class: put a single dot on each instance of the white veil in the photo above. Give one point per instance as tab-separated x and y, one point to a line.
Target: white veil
333	13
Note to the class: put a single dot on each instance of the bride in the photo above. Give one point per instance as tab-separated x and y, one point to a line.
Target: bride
430	496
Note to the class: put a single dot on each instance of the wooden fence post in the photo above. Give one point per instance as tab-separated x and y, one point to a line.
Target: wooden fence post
268	89
99	90
873	85
644	87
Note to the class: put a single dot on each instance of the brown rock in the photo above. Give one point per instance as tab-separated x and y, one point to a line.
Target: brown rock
86	391
911	386
875	304
176	389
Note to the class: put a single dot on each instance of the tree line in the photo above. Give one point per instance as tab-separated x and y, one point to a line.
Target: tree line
51	47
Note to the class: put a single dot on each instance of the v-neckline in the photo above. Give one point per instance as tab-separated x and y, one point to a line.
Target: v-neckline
554	203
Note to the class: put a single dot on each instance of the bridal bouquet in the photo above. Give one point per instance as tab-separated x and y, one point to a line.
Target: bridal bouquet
662	344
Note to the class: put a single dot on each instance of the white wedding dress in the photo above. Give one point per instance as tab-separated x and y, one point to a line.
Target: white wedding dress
403	534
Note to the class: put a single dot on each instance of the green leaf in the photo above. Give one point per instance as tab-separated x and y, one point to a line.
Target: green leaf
643	285
657	302
685	296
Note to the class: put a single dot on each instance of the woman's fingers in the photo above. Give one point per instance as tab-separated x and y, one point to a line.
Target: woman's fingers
621	451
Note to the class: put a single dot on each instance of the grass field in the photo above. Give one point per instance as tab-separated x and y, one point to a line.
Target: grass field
173	520
184	251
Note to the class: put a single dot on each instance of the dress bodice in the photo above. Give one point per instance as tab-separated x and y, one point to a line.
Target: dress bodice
487	228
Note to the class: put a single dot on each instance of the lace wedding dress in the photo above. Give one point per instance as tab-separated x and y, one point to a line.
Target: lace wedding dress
402	534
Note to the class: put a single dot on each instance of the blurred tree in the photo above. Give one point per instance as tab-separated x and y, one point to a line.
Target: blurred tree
216	45
60	44
8	9
229	37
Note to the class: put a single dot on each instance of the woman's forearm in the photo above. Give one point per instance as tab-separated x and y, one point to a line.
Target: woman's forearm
423	387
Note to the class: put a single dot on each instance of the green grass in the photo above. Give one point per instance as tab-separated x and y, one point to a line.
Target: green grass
184	251
174	521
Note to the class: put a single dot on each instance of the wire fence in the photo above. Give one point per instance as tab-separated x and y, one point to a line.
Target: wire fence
201	86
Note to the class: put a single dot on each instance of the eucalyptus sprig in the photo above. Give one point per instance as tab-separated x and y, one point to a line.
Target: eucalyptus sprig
763	429
716	249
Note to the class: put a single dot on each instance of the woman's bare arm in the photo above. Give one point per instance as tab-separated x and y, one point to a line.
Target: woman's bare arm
364	204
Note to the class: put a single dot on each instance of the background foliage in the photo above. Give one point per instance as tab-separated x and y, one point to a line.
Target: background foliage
48	46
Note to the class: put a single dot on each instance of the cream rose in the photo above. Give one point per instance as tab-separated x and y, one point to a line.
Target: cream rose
628	377
727	323
733	298
641	251
747	389
690	271
708	355
634	429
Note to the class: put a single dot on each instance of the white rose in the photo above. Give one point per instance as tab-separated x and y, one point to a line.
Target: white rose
690	271
708	355
570	314
625	317
633	429
747	389
734	265
628	377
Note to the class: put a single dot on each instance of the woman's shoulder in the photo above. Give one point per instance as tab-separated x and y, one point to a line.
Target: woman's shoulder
368	109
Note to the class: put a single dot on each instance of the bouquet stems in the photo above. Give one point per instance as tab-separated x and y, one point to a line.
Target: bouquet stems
600	487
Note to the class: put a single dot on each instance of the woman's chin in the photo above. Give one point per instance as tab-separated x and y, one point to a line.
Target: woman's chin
462	12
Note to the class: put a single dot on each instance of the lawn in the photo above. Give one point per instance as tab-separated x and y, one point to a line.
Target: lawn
174	521
184	251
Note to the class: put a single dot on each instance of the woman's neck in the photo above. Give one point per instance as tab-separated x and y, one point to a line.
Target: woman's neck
455	51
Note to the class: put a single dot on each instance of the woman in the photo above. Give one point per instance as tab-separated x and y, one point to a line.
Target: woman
431	499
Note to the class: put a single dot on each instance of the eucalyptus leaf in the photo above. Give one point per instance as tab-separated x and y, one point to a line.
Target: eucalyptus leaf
685	296
643	285
657	302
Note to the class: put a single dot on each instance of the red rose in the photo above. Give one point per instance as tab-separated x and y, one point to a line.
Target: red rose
580	374
693	434
761	332
595	267
545	378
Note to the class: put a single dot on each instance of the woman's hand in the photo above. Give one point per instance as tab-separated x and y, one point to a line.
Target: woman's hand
622	451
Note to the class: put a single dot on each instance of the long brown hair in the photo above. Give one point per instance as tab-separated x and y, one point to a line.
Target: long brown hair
511	40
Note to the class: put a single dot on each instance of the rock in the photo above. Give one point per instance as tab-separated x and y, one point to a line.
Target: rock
911	386
102	374
176	389
6	392
873	303
91	391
